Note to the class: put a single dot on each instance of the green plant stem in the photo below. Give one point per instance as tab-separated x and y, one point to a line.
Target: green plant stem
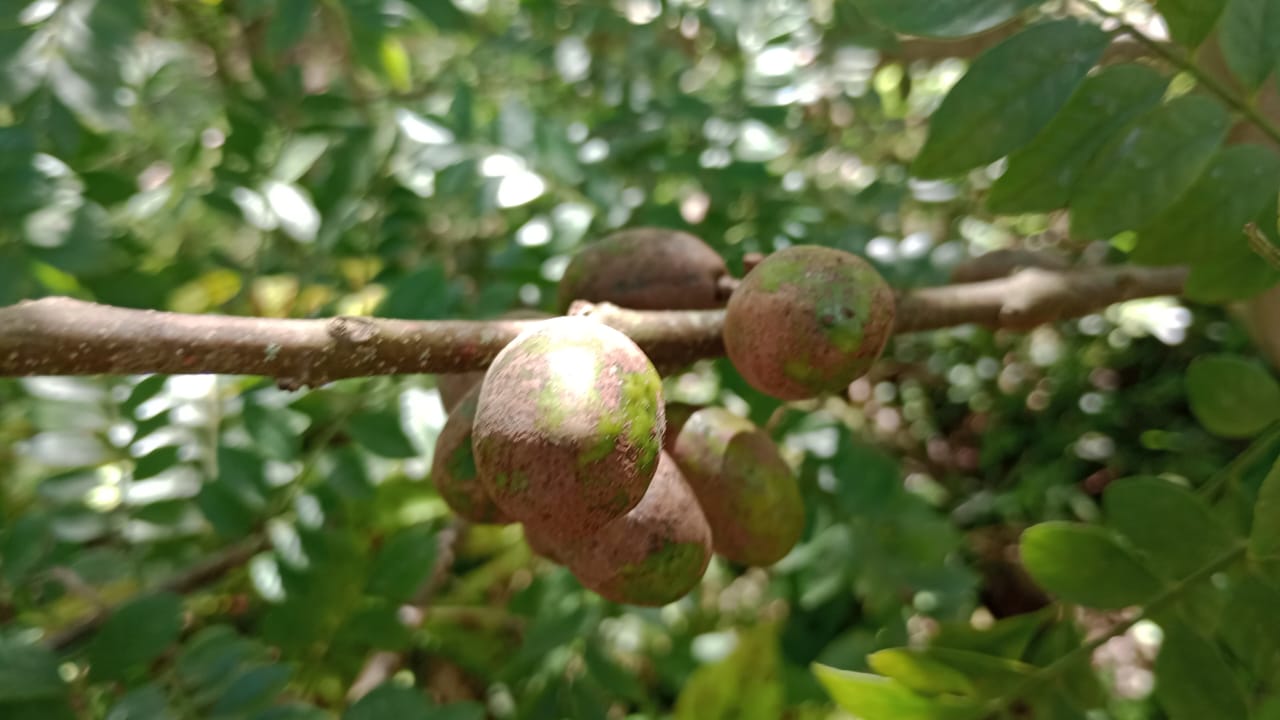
1215	86
1050	672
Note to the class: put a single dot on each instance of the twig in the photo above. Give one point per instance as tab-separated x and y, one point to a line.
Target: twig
63	336
195	577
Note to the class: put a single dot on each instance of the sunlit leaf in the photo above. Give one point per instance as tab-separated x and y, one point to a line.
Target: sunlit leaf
942	18
1086	565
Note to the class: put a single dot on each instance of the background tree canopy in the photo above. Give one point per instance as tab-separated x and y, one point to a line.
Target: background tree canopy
1066	510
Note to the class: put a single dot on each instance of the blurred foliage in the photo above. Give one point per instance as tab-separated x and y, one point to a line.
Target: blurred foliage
442	159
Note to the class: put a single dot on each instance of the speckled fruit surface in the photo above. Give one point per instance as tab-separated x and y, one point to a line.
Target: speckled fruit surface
746	490
453	468
646	269
653	555
808	320
569	427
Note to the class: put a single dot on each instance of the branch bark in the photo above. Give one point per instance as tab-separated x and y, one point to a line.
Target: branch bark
63	336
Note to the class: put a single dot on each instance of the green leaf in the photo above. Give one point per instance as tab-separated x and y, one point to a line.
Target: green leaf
1250	633
390	701
403	564
289	24
275	430
1264	536
252	690
1190	20
941	18
1041	175
28	672
1174	529
441	13
381	434
746	685
1007	637
135	634
942	671
872	697
1210	217
146	703
1250	39
1193	680
1232	396
1086	565
1008	95
1146	168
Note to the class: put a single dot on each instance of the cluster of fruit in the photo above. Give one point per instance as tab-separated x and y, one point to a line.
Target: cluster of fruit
568	431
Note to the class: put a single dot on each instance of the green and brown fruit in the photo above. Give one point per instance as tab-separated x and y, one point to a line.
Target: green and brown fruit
746	489
646	269
654	554
542	545
569	427
808	320
453	468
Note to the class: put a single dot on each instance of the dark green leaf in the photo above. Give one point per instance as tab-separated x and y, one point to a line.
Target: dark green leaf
403	564
872	697
1232	396
390	701
1248	630
1250	39
1175	531
1041	175
146	703
441	13
1264	536
1146	168
1193	680
1009	94
289	24
381	434
59	709
1190	20
155	462
1007	637
274	430
942	18
28	672
253	690
1211	216
1086	565
134	635
459	711
293	712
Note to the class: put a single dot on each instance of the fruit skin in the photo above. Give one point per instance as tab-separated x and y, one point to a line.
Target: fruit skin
646	269
653	555
453	468
808	320
746	490
569	427
454	386
542	545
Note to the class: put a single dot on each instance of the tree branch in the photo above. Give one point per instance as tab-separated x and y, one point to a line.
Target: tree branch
63	336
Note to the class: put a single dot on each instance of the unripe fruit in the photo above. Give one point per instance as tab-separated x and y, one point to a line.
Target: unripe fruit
746	490
453	386
653	555
453	468
808	320
646	269
569	427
